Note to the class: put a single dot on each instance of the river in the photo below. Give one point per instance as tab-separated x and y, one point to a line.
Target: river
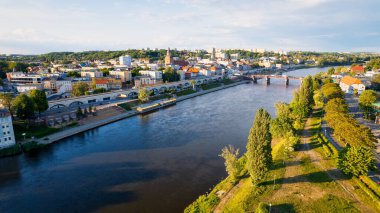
159	162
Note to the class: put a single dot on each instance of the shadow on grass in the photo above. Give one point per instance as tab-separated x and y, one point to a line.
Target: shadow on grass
309	146
283	208
313	177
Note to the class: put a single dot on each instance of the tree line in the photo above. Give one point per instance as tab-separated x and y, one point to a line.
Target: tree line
25	106
357	140
289	118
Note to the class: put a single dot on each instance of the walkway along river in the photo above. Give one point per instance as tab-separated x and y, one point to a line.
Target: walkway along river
159	162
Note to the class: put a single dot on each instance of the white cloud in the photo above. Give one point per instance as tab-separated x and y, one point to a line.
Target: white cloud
46	25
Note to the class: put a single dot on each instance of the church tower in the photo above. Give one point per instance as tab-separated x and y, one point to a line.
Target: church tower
168	58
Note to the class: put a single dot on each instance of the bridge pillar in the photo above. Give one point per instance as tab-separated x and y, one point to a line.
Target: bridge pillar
287	81
267	79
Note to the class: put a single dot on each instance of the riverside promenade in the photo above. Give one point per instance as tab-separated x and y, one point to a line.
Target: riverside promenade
82	128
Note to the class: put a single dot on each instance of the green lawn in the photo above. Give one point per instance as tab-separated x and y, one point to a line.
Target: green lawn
228	81
185	92
210	86
36	131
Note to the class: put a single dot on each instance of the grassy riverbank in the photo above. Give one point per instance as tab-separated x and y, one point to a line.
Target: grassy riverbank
304	181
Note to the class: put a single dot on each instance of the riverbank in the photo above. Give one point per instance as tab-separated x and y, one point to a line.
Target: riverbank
82	128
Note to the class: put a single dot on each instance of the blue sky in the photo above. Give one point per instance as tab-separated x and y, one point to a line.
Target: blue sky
40	26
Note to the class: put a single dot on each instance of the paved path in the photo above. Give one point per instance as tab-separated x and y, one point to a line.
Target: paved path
75	130
354	110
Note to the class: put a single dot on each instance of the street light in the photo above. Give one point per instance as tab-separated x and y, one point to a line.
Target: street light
24	134
270	207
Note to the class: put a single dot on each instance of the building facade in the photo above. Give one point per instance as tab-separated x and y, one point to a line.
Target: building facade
153	74
349	84
22	78
124	75
91	74
7	136
125	60
168	58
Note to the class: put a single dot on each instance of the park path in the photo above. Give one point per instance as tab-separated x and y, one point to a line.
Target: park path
297	189
297	186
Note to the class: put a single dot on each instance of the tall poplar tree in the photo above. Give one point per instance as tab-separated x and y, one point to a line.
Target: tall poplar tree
259	150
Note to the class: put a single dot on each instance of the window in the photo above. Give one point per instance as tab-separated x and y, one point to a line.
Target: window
4	133
8	132
3	126
9	138
5	139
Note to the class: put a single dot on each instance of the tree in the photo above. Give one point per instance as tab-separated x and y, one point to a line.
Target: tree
39	100
318	97
331	71
366	99
79	88
79	112
231	161
23	106
170	75
282	124
336	105
259	156
332	90
375	81
6	100
356	161
143	95
192	82
73	74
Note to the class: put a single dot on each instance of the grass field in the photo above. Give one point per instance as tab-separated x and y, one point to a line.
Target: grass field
307	180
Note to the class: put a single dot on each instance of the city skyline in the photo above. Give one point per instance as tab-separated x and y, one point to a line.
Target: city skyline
313	25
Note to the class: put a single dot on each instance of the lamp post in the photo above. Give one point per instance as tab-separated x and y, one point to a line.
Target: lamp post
270	207
24	134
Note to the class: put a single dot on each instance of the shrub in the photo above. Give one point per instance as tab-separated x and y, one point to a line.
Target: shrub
262	208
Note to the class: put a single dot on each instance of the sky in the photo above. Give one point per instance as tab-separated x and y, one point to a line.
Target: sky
41	26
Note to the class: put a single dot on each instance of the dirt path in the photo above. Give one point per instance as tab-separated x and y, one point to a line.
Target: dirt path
297	189
226	198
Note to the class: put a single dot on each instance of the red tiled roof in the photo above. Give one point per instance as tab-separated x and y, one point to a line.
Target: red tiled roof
357	69
101	81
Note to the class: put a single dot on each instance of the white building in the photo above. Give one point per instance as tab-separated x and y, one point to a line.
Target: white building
221	55
125	60
205	72
25	88
64	86
91	74
7	136
22	78
153	74
348	84
235	56
141	81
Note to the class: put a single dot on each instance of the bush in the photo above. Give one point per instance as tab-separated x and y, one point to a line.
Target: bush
368	191
31	146
356	161
205	203
9	151
262	208
370	184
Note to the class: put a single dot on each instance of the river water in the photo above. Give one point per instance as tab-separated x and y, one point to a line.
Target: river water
159	162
